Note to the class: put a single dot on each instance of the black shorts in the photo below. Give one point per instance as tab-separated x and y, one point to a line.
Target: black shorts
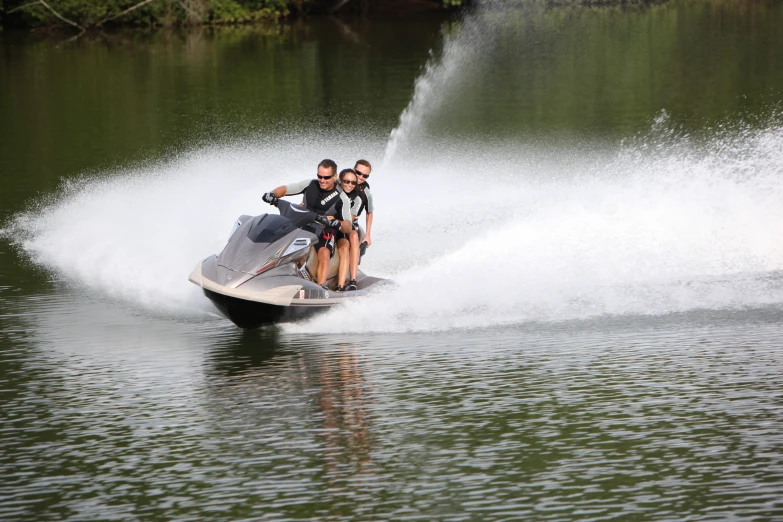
327	242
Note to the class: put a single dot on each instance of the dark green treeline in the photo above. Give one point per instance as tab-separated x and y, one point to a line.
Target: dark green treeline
97	13
83	15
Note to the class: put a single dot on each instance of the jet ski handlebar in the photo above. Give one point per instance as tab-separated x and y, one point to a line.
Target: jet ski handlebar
299	214
322	220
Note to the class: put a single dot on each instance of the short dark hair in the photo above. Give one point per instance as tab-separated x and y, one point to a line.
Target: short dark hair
328	164
364	163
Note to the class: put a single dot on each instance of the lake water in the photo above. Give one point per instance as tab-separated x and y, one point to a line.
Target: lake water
581	208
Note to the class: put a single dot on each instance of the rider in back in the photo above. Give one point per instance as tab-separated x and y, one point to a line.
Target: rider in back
321	196
363	170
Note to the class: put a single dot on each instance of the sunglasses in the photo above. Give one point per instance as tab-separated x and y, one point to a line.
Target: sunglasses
349	182
323	177
362	174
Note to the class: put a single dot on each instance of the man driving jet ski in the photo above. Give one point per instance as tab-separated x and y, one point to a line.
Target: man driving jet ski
321	196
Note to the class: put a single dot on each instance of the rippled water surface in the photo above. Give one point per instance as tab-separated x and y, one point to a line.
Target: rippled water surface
675	417
580	207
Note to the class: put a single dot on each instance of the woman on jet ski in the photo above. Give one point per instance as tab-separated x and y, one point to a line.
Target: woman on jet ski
348	243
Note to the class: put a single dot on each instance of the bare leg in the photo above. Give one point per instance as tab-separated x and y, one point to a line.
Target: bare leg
323	265
342	248
354	238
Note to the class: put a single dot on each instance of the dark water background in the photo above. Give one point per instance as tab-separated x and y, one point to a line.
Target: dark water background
112	409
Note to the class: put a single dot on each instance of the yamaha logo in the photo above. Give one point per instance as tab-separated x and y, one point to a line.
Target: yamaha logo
329	197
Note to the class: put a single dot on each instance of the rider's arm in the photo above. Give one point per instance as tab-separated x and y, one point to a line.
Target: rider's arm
367	236
344	213
369	211
292	189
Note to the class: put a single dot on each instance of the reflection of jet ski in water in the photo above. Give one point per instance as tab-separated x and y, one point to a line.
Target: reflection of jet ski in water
266	271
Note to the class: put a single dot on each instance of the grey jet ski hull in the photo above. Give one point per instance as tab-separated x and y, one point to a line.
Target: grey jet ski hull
276	297
251	314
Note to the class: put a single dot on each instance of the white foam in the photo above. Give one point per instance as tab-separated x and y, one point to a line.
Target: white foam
475	236
135	234
662	226
463	54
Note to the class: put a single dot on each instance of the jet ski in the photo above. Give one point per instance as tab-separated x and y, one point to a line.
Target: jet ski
266	272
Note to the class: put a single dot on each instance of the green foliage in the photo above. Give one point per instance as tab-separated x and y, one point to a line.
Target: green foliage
229	11
90	13
29	16
235	11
